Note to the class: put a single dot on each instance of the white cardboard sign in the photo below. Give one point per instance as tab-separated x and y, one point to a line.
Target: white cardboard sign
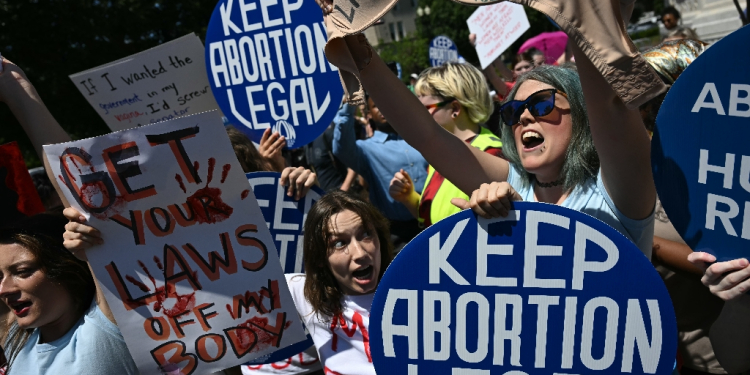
159	84
497	26
188	266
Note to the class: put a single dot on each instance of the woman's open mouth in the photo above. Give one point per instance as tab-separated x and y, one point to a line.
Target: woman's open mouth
363	275
20	308
531	140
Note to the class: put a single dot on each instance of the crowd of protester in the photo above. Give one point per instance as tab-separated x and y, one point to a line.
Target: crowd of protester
407	158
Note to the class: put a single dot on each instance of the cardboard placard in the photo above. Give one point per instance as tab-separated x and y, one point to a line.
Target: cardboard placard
188	267
547	290
699	155
267	68
442	50
497	26
159	84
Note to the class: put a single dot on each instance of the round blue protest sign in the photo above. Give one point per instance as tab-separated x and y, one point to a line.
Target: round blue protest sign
700	154
545	291
267	68
285	218
442	50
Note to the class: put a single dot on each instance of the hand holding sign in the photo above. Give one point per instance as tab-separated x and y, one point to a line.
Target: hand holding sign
271	144
542	291
285	214
727	280
490	200
194	279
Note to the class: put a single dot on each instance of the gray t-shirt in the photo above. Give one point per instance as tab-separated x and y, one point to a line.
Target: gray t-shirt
592	198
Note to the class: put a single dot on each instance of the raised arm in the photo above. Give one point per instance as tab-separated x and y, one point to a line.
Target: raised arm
26	105
466	166
23	100
78	237
344	143
498	83
621	141
490	72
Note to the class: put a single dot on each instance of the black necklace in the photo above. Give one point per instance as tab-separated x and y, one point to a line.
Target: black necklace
549	184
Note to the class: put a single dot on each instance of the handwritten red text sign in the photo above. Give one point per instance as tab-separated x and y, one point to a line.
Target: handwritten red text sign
188	265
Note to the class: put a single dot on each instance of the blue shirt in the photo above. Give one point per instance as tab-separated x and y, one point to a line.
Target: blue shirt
93	346
377	159
593	199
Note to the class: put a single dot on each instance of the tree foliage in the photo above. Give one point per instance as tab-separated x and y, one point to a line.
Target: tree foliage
411	52
51	39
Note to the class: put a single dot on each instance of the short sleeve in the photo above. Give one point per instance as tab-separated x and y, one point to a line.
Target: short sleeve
100	347
641	232
296	282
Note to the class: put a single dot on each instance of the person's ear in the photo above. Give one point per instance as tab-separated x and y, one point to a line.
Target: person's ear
455	108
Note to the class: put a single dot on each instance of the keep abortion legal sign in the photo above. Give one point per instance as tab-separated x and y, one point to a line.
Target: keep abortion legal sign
700	154
267	68
285	216
544	291
442	50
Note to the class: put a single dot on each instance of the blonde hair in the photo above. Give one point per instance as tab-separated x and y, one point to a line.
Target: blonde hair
462	82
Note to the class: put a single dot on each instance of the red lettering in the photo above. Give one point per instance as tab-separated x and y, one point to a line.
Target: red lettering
152	222
127	299
151	329
243	302
203	317
171	365
174	139
240	233
357	322
120	172
241	339
173	259
215	262
135	225
177	324
200	347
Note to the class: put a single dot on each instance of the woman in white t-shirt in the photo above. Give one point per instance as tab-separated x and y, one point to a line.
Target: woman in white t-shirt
346	251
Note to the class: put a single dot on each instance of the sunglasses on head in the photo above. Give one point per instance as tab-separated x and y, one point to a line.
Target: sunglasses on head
539	104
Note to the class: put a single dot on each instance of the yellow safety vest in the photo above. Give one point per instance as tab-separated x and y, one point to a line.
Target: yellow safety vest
441	205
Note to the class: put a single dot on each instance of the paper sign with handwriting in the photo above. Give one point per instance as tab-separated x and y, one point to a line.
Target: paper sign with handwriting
188	266
159	84
497	26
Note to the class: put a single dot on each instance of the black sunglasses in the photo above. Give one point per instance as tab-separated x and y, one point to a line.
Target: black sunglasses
539	103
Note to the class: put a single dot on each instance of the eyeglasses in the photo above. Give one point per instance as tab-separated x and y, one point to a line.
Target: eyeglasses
539	104
442	104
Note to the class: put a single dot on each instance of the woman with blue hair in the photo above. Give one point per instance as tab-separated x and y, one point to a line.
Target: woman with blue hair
569	140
